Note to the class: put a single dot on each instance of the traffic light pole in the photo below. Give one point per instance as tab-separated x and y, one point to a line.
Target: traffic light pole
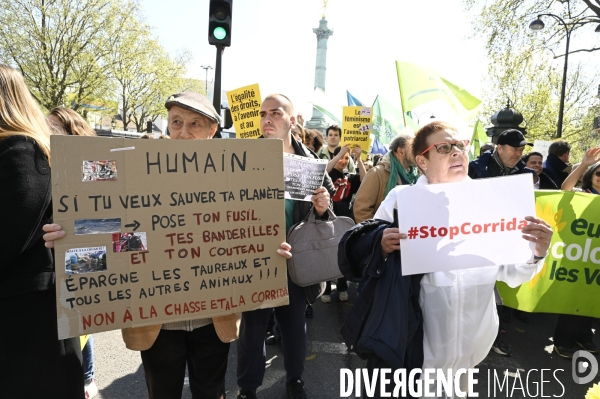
217	85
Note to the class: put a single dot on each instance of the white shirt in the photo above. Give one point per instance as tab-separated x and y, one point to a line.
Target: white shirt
460	321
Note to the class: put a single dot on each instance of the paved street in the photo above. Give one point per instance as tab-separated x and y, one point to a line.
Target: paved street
120	374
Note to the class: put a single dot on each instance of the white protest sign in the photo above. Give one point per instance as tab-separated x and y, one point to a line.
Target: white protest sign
463	225
541	147
302	176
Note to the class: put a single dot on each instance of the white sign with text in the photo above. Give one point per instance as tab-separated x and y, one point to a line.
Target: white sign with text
464	225
542	147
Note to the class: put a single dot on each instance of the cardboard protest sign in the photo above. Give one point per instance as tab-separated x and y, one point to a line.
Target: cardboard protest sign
463	225
569	282
302	176
244	104
541	147
356	128
183	229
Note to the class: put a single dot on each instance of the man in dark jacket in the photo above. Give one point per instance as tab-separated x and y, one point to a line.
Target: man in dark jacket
557	165
276	120
541	181
505	160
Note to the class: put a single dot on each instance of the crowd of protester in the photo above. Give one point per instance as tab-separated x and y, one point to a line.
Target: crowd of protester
431	308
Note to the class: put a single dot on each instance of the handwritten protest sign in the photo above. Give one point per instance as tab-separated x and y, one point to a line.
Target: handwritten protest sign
182	230
302	176
569	282
356	128
451	226
541	147
244	104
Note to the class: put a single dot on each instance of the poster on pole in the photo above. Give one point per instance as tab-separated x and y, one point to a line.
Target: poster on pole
244	104
541	147
302	176
456	223
356	128
182	230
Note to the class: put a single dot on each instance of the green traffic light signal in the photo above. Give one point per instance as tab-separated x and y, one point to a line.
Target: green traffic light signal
219	33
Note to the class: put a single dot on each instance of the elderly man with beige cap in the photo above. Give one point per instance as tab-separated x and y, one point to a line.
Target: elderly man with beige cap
202	344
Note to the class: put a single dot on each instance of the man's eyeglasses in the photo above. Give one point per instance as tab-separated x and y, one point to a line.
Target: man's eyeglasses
446	148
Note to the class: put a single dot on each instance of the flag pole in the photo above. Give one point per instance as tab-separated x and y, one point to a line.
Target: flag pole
401	92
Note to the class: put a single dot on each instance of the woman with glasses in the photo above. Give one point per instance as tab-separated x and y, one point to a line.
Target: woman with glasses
459	315
589	168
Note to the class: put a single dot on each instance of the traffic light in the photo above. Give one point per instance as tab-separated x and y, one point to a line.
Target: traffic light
227	120
219	23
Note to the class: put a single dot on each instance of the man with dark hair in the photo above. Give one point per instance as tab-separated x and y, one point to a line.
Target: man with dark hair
541	181
485	148
276	121
505	160
557	165
333	134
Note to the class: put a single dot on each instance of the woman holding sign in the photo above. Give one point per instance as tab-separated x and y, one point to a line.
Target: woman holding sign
459	316
33	361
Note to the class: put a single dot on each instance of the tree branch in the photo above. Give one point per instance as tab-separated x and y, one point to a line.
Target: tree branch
578	51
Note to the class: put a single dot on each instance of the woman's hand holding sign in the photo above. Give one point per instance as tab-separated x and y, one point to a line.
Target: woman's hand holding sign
540	233
390	240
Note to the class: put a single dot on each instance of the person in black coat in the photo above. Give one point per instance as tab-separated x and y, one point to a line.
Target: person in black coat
33	361
276	120
557	165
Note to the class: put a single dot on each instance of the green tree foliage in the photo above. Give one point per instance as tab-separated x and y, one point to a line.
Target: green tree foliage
526	66
74	52
60	46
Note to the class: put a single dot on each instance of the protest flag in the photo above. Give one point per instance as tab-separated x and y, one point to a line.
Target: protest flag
419	85
326	105
478	139
353	101
387	120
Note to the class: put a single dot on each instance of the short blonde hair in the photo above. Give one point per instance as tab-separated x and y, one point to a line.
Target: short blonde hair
19	113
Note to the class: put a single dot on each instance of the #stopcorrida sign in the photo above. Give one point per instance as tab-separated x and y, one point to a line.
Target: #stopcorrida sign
464	225
164	230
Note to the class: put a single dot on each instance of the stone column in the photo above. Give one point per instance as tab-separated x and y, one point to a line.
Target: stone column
323	32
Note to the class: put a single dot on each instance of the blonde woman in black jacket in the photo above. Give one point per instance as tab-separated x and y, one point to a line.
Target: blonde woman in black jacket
33	361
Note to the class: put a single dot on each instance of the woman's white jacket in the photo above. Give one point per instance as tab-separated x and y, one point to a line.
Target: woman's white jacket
460	321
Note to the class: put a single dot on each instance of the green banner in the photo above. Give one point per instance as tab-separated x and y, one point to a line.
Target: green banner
387	120
569	282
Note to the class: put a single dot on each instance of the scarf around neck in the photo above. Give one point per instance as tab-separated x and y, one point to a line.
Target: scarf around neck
396	169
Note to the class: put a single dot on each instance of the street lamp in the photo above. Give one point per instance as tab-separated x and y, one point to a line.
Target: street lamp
206	68
423	113
538	24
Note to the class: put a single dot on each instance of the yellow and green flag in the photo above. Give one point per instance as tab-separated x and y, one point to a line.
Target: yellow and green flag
478	139
388	121
420	85
569	282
